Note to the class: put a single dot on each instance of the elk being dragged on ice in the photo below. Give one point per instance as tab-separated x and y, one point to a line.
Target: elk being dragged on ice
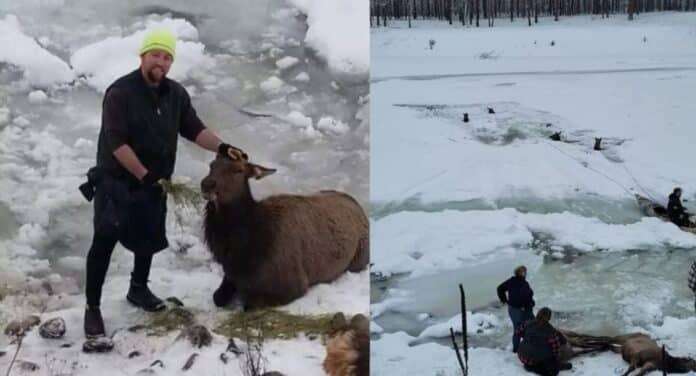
272	250
637	349
641	351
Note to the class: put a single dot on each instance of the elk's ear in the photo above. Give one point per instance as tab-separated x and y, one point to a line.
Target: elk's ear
259	172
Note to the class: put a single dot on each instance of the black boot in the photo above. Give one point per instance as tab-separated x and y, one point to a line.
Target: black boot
94	324
141	296
224	293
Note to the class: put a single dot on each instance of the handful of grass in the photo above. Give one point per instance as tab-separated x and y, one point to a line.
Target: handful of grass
183	194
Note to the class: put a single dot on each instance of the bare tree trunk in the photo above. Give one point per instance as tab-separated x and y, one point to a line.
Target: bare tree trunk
557	6
478	9
529	14
631	9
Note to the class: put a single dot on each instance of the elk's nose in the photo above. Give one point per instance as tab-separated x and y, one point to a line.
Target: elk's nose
207	185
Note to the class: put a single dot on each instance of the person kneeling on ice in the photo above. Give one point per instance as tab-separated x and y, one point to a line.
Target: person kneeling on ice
692	281
143	113
541	345
520	301
676	212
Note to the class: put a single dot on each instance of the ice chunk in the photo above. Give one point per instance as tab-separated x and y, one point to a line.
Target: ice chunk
287	62
37	96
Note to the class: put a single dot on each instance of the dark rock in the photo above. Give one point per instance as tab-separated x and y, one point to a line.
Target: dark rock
174	300
232	347
136	328
312	337
98	345
2	353
14	328
53	328
465	118
47	286
189	362
157	363
556	136
490	110
146	371
134	354
27	366
198	335
273	373
66	345
224	358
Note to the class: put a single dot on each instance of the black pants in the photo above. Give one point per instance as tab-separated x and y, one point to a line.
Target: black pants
546	368
98	260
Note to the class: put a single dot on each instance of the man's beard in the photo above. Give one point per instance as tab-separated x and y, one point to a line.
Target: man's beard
153	78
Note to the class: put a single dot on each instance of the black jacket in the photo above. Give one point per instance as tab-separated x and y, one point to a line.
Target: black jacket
674	207
148	120
519	293
540	342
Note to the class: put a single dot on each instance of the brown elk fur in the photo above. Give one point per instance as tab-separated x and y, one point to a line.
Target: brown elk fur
272	250
348	349
641	351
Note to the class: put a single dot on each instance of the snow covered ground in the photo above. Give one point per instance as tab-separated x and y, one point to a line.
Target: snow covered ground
251	75
465	202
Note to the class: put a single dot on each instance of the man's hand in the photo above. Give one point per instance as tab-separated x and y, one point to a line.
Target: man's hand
232	152
152	182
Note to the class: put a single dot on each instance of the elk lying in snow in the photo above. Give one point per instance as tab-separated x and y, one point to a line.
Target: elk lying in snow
638	349
348	349
272	250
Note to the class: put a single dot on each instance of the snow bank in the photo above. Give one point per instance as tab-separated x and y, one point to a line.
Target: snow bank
104	61
346	294
339	32
40	67
425	243
477	324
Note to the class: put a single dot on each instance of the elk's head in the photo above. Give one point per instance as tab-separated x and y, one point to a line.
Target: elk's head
227	181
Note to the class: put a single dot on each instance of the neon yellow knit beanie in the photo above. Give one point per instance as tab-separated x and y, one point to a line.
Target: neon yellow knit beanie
159	40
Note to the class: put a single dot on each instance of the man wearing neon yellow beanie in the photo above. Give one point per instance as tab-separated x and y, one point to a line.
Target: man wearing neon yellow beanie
143	113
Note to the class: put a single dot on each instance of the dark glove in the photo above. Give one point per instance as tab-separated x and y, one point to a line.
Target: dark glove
152	183
232	152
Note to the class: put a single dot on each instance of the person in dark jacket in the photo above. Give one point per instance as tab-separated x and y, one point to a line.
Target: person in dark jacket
143	113
541	345
518	295
692	281
676	212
